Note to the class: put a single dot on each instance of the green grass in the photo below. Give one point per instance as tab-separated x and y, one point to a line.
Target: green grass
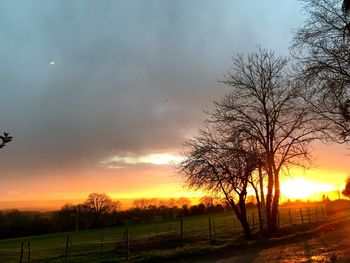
86	245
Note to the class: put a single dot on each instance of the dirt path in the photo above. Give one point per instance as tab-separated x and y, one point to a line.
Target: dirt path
331	243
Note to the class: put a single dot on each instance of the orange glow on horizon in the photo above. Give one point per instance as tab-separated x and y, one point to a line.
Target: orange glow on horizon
153	179
303	189
311	184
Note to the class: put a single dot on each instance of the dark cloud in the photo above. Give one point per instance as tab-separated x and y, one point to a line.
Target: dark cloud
129	77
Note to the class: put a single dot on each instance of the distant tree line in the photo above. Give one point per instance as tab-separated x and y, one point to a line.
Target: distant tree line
14	223
99	210
143	210
146	210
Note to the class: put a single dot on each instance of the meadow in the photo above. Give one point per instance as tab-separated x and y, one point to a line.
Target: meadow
112	245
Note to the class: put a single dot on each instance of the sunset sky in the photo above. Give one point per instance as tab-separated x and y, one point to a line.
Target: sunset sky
100	95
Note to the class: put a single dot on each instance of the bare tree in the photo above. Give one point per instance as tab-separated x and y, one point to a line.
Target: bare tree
222	167
144	207
209	201
266	106
99	203
5	139
141	203
322	51
183	202
260	129
116	206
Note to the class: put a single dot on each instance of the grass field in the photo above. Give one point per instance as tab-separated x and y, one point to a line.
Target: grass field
86	246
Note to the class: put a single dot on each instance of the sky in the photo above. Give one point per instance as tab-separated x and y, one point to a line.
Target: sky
100	95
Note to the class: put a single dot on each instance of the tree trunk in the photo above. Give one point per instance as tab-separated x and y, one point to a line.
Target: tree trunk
96	219
273	226
258	203
262	197
246	230
241	214
244	222
269	198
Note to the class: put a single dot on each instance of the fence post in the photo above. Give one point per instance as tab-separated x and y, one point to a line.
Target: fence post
21	256
308	214
214	231
182	232
67	248
316	213
77	218
29	247
102	243
210	232
253	227
127	245
290	216
301	216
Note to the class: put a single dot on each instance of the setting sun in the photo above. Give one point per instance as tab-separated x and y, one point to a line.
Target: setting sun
300	188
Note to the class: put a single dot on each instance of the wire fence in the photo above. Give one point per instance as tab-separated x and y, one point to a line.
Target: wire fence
128	243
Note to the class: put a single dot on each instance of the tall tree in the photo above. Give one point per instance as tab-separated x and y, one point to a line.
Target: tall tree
321	47
265	104
263	126
99	203
222	166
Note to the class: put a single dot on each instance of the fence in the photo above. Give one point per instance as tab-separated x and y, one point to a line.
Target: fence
135	241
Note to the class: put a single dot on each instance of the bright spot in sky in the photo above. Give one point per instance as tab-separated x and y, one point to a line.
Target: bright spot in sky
154	158
163	158
303	189
52	62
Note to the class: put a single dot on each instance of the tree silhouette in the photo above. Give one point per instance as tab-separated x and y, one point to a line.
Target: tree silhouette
265	104
5	139
220	165
209	201
99	203
322	49
265	111
346	6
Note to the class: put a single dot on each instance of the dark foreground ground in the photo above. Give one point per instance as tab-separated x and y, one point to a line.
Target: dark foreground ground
329	242
323	242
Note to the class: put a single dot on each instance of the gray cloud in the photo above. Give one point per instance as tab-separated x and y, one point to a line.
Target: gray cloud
129	76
